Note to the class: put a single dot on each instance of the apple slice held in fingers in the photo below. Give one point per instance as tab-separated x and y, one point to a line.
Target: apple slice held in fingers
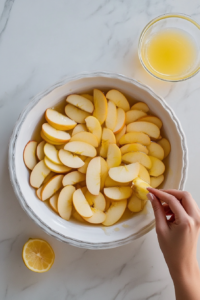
125	173
65	202
140	188
69	159
94	127
134	115
29	154
156	150
144	174
118	193
73	177
81	148
51	187
55	135
135	137
93	176
58	120
108	137
121	118
152	119
79	128
40	150
140	106
135	147
53	201
111	118
119	99
98	216
113	156
100	106
133	157
165	144
86	137
96	201
81	204
38	174
52	153
157	168
135	204
156	181
56	168
81	102
149	128
115	212
76	114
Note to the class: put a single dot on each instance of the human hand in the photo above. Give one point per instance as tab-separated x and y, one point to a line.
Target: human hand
177	235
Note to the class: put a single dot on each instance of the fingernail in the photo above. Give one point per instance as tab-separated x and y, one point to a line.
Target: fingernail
150	197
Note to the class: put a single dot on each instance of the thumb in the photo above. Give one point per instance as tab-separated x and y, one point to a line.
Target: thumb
161	222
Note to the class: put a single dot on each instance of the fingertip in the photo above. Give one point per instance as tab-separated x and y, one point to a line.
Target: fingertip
150	196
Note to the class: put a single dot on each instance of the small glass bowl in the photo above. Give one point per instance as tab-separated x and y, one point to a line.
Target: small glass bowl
179	21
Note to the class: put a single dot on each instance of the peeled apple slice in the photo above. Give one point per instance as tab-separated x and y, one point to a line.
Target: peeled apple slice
125	173
51	187
81	102
65	201
140	188
81	204
115	212
38	174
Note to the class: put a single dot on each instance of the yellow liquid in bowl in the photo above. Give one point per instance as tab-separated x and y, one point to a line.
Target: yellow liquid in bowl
170	53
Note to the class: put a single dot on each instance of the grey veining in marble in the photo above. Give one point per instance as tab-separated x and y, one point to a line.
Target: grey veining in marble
40	43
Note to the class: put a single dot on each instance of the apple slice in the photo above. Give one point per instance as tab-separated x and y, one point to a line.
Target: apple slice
109	182
50	141
118	193
135	204
157	168
113	156
140	188
121	118
38	174
104	172
96	201
83	169
79	128
133	157
135	147
108	203
86	137
93	176
165	144
81	102
29	155
94	127
111	119
120	134
125	173
76	114
119	99
108	137
73	177
81	204
51	187
134	115
38	191
81	148
100	106
53	201
152	119
140	106
58	120
144	174
97	218
52	154
55	135
135	137
40	150
65	201
156	181
76	216
69	159
156	150
115	212
87	96
149	128
56	168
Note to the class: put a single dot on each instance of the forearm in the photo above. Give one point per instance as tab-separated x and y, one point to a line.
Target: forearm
187	283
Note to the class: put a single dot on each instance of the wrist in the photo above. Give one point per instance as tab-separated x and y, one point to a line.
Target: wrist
186	271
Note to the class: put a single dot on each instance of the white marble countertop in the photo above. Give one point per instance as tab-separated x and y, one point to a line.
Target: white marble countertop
42	41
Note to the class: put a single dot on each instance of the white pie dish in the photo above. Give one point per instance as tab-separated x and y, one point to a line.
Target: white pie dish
72	232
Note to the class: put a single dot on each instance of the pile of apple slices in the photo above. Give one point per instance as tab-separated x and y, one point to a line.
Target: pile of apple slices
97	158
